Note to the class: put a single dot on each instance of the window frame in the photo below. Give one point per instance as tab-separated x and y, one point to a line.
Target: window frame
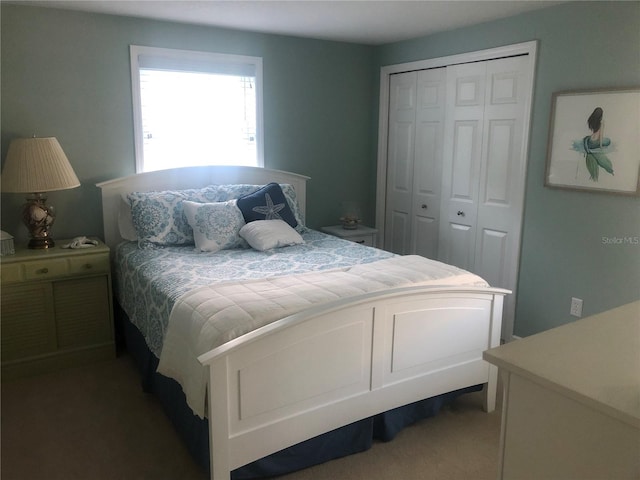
214	59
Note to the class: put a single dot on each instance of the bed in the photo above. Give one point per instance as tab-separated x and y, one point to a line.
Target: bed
351	340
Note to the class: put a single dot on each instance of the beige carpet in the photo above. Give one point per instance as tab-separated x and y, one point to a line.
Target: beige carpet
95	423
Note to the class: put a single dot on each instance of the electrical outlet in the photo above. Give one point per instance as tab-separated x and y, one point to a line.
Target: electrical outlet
576	307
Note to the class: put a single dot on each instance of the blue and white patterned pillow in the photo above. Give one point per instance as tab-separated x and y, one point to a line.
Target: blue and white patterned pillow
215	225
292	200
157	217
222	193
233	191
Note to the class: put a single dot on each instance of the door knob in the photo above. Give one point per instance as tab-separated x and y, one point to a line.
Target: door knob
424	205
460	213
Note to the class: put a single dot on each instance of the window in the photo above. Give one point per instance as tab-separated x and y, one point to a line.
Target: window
195	108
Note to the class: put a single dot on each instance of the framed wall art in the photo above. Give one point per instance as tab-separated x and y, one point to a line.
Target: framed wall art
594	141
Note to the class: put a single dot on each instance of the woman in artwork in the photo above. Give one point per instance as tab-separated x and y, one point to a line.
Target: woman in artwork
595	146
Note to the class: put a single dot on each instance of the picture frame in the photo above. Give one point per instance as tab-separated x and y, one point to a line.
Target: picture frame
594	141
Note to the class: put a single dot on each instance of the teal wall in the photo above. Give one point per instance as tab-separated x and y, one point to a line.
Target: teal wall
66	74
581	45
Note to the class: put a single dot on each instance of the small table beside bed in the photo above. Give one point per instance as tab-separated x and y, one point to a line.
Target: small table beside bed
271	346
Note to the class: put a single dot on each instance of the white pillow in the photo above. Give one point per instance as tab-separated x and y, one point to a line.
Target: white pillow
215	225
267	234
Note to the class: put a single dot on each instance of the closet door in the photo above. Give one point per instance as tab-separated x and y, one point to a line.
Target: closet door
402	128
416	114
473	218
427	167
502	177
461	163
484	169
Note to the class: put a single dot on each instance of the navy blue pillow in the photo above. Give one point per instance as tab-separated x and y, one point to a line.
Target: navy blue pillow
267	203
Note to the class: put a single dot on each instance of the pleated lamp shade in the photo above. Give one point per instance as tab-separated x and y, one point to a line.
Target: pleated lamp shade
37	165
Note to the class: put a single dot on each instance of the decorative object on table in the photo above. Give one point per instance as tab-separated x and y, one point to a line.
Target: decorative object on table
351	215
36	166
593	141
6	244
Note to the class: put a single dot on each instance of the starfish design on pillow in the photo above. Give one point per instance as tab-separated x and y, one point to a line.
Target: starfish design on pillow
270	210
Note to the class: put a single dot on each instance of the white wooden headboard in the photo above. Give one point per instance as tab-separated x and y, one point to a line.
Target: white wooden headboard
187	177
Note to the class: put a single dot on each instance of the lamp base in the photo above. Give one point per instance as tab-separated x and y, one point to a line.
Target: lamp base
41	243
38	217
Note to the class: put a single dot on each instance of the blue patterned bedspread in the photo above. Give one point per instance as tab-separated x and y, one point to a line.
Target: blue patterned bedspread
148	281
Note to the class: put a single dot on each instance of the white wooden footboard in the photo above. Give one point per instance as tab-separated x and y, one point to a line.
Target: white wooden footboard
335	364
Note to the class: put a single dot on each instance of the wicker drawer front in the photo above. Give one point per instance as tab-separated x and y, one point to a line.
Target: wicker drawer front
45	269
11	273
88	264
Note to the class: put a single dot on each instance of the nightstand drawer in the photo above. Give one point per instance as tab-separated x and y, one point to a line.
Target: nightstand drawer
362	235
45	269
362	240
89	264
11	273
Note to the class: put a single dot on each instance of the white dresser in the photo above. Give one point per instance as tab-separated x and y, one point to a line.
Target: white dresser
571	406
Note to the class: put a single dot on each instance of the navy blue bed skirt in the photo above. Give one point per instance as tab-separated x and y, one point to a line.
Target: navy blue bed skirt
194	431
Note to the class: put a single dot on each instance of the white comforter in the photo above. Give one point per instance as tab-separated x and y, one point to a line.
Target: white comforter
209	316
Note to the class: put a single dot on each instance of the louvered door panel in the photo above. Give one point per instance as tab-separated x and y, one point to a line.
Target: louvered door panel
82	311
28	326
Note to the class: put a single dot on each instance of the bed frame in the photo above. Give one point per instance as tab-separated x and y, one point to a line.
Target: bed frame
334	364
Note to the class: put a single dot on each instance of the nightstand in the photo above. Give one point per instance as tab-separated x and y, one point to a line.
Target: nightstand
56	309
362	235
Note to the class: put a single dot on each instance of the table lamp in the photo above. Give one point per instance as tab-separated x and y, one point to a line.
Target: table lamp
35	166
